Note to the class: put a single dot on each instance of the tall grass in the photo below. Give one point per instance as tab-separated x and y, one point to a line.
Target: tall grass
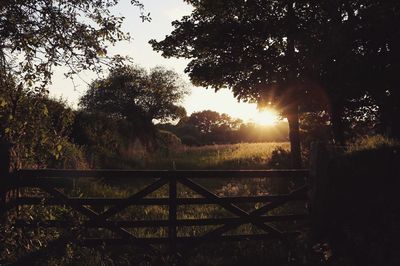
371	143
228	156
235	156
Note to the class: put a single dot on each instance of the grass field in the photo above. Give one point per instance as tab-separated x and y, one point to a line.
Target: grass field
228	156
235	156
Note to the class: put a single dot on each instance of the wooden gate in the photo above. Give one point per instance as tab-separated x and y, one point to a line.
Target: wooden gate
52	182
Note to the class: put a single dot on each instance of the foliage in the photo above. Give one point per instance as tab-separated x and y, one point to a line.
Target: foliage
36	126
44	34
236	44
133	93
319	56
167	140
375	142
252	47
280	159
314	126
139	97
210	127
96	129
361	222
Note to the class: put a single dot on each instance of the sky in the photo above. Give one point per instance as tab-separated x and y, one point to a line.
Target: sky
162	13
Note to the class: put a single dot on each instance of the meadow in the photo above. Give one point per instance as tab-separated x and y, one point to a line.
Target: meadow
235	156
301	251
223	156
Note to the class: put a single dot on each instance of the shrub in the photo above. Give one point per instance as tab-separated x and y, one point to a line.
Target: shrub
166	139
361	220
280	159
371	143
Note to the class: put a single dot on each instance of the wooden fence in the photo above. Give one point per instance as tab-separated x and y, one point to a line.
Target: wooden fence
52	182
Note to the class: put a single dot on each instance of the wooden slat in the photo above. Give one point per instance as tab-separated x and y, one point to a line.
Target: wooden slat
228	206
94	215
127	202
62	182
160	223
188	240
134	174
159	201
172	215
227	227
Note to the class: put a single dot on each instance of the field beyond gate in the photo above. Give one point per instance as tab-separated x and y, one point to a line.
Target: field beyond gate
99	213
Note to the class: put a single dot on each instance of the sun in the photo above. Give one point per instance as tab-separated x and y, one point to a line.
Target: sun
267	117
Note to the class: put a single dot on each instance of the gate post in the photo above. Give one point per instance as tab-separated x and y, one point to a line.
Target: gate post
5	161
318	184
172	216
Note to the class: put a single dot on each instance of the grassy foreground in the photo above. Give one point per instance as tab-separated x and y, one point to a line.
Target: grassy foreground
228	156
235	156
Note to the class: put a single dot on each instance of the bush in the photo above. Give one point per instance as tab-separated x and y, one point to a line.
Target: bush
71	156
371	143
166	139
361	221
190	140
280	159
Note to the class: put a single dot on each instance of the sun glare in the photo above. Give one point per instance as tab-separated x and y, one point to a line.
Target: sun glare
266	117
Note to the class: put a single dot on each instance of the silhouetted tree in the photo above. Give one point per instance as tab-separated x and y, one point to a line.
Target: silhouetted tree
379	44
213	126
251	47
138	96
41	34
37	126
353	55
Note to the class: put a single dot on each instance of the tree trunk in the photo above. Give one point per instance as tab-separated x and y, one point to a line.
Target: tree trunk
294	137
337	125
293	114
389	111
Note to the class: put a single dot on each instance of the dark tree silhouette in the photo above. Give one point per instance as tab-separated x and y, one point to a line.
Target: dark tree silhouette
250	47
354	56
213	126
138	96
47	33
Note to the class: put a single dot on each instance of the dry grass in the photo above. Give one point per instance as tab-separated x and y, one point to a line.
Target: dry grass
231	156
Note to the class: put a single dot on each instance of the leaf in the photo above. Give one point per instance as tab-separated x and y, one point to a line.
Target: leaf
3	102
59	147
45	111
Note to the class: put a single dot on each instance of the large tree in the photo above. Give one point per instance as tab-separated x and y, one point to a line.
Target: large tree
379	39
36	35
354	56
139	96
250	47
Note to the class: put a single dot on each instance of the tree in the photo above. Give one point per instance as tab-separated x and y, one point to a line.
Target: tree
380	64
212	126
37	126
250	47
354	56
140	97
47	33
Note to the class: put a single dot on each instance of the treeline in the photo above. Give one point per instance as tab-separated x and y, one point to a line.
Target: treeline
115	122
46	132
210	127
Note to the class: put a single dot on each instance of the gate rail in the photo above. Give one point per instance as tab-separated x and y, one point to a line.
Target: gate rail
50	181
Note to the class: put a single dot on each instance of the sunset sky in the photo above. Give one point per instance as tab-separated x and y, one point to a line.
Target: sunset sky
163	12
